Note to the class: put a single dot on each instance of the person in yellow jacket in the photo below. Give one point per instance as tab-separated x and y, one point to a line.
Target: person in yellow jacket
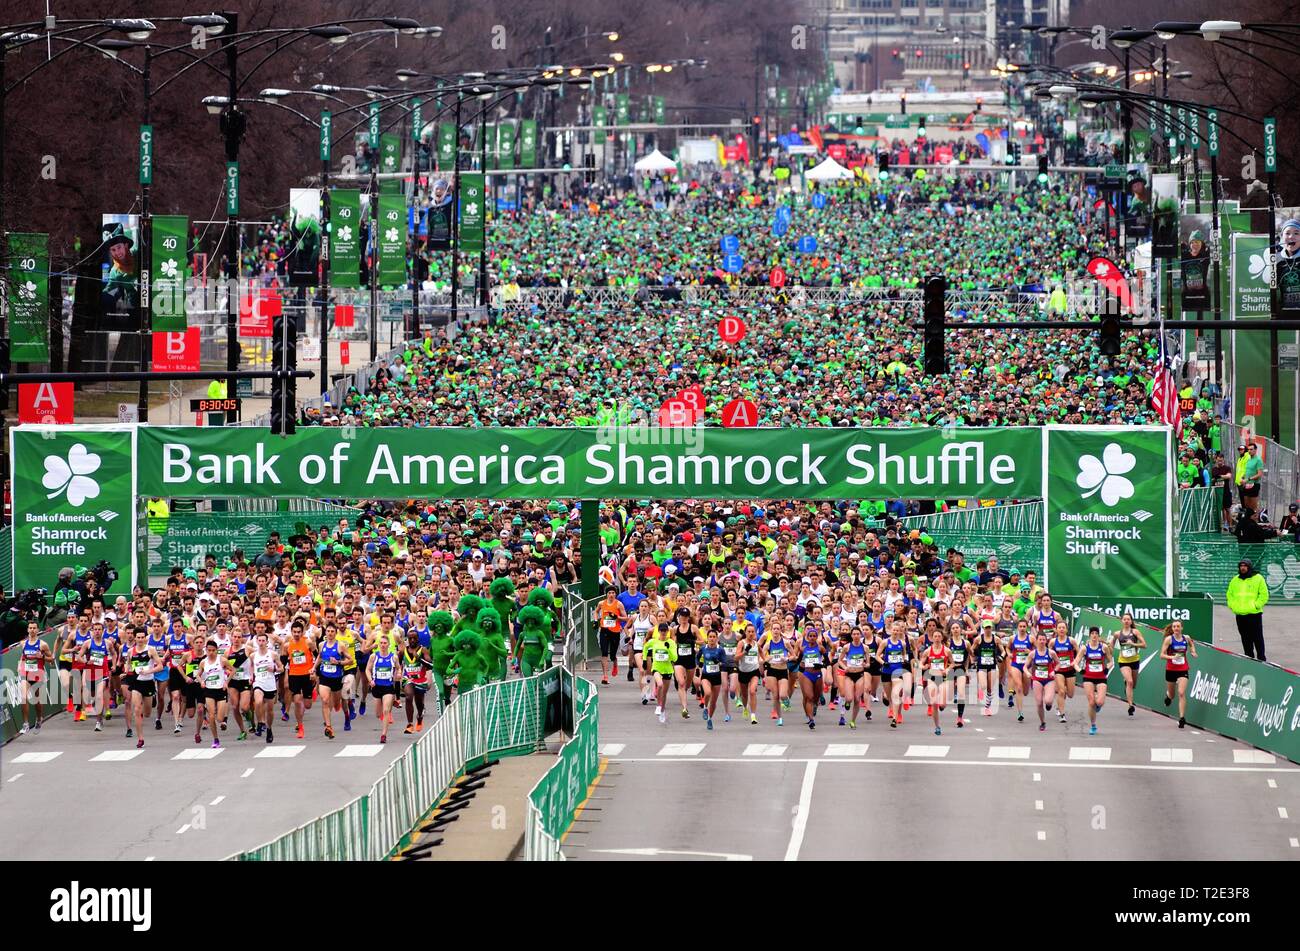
1247	595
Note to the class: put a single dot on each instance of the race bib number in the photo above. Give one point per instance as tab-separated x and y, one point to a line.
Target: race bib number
811	661
936	665
329	670
711	668
299	657
685	650
1095	667
213	679
33	666
661	657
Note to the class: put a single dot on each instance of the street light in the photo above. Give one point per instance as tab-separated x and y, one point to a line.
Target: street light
332	32
1168	29
135	29
215	104
1212	30
1125	38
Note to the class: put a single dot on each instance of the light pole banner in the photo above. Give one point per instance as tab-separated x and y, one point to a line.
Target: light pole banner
29	298
1108	521
446	145
74	502
345	237
470	201
505	144
168	249
1250	298
686	462
528	143
392	240
390	160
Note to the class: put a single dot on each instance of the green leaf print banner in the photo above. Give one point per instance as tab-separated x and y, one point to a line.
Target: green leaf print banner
1108	516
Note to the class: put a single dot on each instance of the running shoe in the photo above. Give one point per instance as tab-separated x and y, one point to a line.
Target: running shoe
259	729
658	710
157	724
223	726
786	703
98	726
1048	706
1092	730
893	724
301	732
23	731
753	720
198	737
108	714
1061	717
841	719
270	736
774	715
362	710
1001	691
929	709
1168	701
780	721
960	723
419	724
740	704
726	718
1042	727
129	733
938	732
1020	718
243	735
1011	702
907	704
139	744
352	708
614	672
644	701
868	713
383	738
604	681
686	714
708	723
284	717
347	725
409	729
216	744
898	717
853	724
1182	722
812	724
329	733
176	729
1131	708
629	675
662	718
79	716
69	710
36	728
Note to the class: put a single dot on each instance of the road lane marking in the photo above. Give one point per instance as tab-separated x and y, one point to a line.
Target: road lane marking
1042	836
682	749
208	753
217	801
1252	756
764	749
927	751
612	749
965	762
183	829
1272	783
1282	813
1295	843
16	776
650	853
1171	755
1008	752
1038	805
116	756
35	757
801	812
1038	777
846	749
280	752
1101	753
246	773
360	749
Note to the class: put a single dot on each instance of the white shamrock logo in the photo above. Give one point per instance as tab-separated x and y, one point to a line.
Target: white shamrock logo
345	233
1103	269
169	268
72	475
1284	578
27	291
390	235
471	209
1107	474
1258	265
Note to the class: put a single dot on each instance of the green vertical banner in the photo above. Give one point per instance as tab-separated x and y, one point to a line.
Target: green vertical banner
372	129
392	240
75	491
490	131
326	129
528	143
660	111
446	145
146	155
470	202
1270	145
1211	131
1251	357
506	145
390	162
232	189
29	299
783	97
417	119
1108	520
622	109
599	117
345	237
168	267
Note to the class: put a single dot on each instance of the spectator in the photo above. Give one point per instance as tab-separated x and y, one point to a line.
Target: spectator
1248	476
1291	521
1222	475
1247	595
1250	531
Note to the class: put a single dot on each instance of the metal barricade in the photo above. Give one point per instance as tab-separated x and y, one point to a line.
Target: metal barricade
1280	485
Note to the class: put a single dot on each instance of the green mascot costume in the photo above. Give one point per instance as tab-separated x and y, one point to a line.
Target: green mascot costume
468	608
534	647
493	649
441	650
502	591
543	599
467	663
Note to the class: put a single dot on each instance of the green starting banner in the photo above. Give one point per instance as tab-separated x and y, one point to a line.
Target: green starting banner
1230	694
1107	525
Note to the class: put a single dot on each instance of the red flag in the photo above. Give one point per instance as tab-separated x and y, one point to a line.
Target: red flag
1111	278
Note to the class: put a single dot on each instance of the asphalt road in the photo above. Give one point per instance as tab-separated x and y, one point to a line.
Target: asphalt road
996	789
70	793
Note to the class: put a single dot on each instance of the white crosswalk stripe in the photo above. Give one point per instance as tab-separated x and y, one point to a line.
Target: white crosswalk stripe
35	757
764	749
682	749
1254	757
1008	752
200	753
612	749
116	756
932	752
1170	755
1101	753
279	752
847	749
360	749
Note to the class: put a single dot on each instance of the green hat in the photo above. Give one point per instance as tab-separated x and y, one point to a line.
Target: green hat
116	234
190	573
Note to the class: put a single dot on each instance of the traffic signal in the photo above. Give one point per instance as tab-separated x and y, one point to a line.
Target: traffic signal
934	361
284	391
1042	167
1110	341
882	164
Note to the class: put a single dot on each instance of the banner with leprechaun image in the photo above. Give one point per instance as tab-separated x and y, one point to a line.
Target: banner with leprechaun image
1108	519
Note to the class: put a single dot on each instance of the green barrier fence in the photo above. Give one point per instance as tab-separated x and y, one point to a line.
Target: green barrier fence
1227	693
1199	510
500	719
1206	563
554	801
6	559
52	697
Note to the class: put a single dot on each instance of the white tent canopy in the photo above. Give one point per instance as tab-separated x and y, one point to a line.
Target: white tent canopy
656	161
828	171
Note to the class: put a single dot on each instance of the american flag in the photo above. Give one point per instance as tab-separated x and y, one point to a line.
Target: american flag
1164	394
